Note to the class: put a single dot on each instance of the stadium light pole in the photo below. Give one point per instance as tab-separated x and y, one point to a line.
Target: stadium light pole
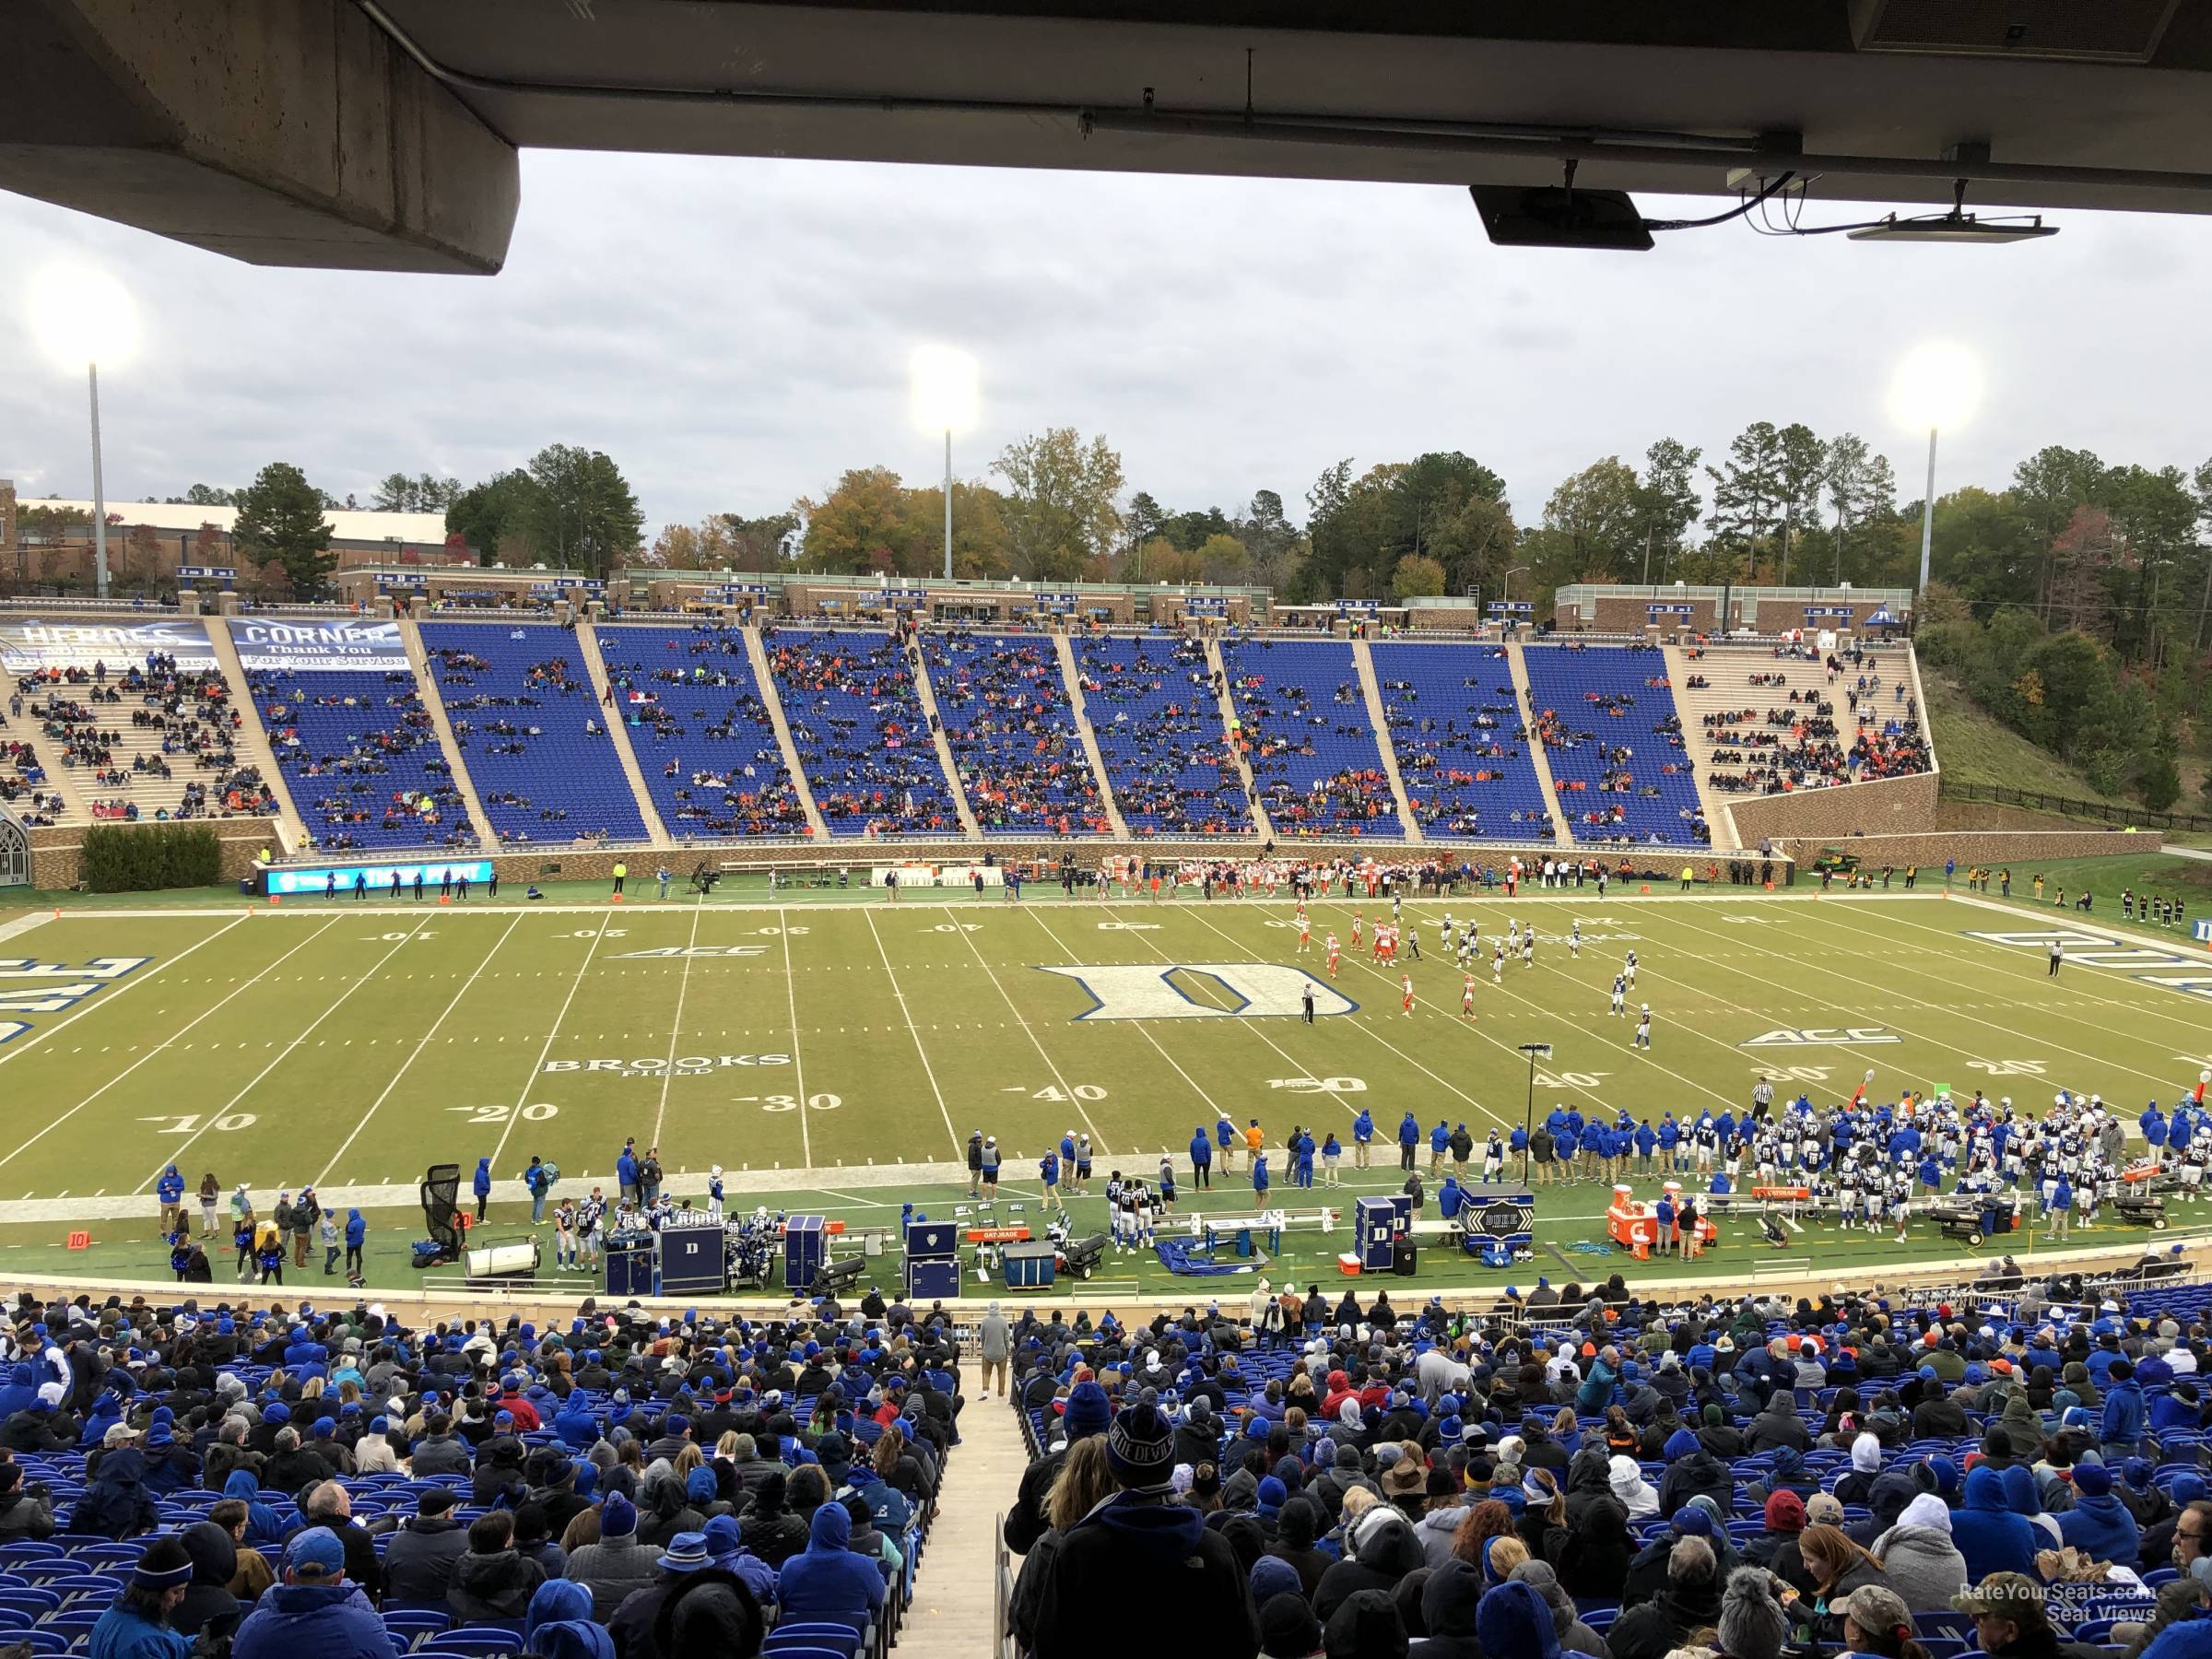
944	400
1938	386
84	317
1536	1052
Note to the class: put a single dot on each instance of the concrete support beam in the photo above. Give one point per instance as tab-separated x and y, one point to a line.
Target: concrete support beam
276	132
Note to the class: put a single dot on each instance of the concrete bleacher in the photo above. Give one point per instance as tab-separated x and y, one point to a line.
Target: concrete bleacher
1158	730
1005	713
704	739
1619	764
1770	721
856	723
361	758
176	749
533	736
1462	752
1314	758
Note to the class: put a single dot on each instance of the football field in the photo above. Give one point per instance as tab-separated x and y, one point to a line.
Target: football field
353	1044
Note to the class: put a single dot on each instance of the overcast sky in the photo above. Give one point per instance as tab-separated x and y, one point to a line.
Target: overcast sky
735	334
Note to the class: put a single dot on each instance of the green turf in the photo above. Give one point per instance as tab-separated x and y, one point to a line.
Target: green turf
353	1048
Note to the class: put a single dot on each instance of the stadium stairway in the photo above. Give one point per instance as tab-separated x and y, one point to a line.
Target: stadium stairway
927	693
766	683
1072	680
953	1605
252	742
1712	802
1229	723
1364	659
618	726
1519	664
425	684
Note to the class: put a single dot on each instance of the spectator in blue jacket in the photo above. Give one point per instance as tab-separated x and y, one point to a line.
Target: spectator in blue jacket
1410	1138
314	1610
1363	1134
826	1577
2099	1524
483	1185
356	1238
2125	1413
1989	1534
138	1626
1439	1142
1259	1181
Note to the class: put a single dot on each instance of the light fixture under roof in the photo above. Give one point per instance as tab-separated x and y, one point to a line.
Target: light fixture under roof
1954	227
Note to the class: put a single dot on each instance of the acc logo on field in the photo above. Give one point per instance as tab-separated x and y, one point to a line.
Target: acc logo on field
1823	1037
1248	990
692	950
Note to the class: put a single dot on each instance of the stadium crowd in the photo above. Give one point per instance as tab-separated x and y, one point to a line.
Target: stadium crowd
213	1478
2018	1474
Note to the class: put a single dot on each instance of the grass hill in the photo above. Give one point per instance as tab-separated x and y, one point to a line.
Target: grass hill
1972	746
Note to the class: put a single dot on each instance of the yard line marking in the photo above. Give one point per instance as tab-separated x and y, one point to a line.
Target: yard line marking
283	1052
1891	963
414	1055
928	1070
31	1038
2191	1026
159	1047
1427	1011
1437	1010
538	1065
676	1028
1299	1066
1097	1136
798	1063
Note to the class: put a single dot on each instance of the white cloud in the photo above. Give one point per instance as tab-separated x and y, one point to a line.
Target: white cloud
736	333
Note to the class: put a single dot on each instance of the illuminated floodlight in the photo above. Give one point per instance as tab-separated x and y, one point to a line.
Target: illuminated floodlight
81	315
947	397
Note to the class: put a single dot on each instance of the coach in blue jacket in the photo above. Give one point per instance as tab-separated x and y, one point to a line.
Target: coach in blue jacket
1202	1159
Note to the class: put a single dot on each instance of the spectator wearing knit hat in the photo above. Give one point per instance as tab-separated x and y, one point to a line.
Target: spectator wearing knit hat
1087	1412
617	1564
1192	1584
138	1626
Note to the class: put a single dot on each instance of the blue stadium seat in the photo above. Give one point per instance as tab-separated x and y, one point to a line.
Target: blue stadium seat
1159	729
360	756
533	736
1613	739
858	726
1314	758
1007	715
700	731
1463	753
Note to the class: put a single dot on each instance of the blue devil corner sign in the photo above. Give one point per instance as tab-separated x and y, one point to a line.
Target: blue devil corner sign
1202	991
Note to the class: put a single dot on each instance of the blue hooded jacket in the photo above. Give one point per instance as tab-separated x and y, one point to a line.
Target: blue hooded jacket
827	1577
20	1390
333	1621
1988	1534
2125	1413
483	1182
2101	1526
